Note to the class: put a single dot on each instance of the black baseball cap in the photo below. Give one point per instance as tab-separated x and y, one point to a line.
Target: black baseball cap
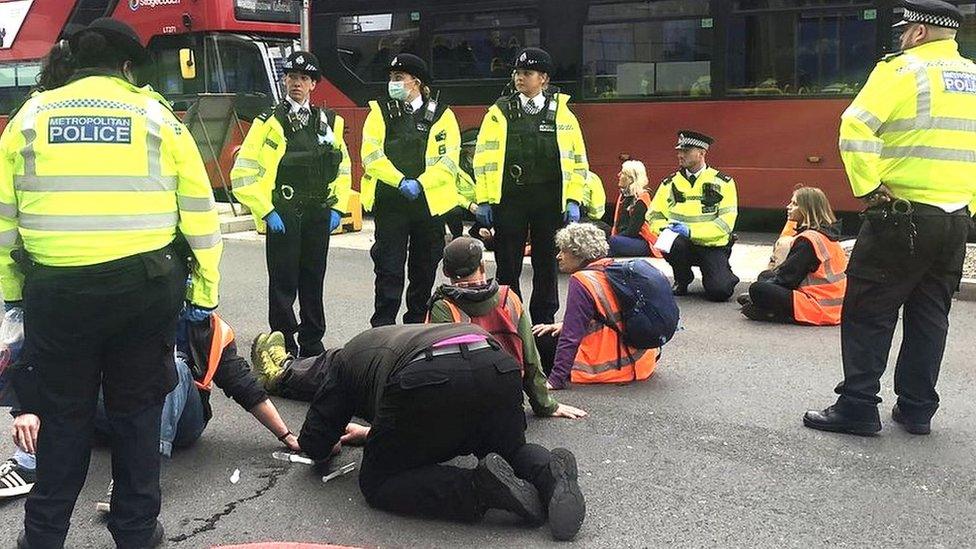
462	257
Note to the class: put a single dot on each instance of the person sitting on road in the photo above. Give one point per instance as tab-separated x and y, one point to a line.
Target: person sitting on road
472	297
808	287
589	348
632	235
186	409
431	392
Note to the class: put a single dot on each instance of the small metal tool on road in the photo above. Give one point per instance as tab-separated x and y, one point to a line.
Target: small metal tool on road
292	458
344	470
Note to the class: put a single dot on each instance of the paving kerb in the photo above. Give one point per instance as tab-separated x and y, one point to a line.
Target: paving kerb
748	260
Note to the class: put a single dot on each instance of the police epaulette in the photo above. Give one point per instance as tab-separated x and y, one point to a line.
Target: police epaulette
667	180
888	57
724	176
263	117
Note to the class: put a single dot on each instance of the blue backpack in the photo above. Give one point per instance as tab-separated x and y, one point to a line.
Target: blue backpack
647	305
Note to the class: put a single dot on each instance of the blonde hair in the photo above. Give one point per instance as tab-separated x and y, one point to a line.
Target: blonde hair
635	170
814	208
584	240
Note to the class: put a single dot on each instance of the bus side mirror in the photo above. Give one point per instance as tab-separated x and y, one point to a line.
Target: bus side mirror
188	65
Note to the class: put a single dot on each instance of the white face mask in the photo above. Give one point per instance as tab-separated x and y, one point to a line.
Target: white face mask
397	90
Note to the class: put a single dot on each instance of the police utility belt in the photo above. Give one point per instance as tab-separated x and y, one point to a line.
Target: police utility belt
295	195
900	215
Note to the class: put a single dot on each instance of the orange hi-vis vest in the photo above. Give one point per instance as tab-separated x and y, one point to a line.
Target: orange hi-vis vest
222	336
820	297
602	356
645	231
501	322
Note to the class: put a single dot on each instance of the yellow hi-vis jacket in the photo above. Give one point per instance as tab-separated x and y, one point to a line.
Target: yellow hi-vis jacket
465	190
710	217
256	167
489	157
594	197
441	158
98	170
913	127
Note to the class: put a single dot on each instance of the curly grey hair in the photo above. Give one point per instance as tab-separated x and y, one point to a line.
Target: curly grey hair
584	240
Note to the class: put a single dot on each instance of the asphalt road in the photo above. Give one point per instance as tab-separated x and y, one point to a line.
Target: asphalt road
710	452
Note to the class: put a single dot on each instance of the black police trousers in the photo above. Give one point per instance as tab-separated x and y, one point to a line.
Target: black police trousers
883	276
717	276
110	326
406	234
432	411
530	212
296	267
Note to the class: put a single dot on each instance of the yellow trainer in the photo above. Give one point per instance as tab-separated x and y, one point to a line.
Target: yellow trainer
268	356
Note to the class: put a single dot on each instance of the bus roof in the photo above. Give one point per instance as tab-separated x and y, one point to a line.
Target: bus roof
45	21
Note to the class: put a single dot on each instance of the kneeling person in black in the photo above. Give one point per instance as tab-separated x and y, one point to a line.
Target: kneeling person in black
432	393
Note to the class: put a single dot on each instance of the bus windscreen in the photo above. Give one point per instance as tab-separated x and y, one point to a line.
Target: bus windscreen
271	11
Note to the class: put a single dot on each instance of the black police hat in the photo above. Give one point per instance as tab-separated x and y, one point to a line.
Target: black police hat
930	12
118	34
462	256
304	62
412	65
689	138
534	59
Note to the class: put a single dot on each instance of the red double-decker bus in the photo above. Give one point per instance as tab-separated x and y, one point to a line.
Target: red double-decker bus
768	78
236	47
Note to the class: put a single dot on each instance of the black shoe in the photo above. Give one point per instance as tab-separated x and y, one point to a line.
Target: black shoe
743	299
913	427
679	289
752	312
499	488
567	508
833	420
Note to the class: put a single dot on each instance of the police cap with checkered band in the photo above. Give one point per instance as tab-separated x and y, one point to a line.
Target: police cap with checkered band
305	63
930	12
689	138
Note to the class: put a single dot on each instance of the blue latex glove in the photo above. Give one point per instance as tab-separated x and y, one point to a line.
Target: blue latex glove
483	215
275	224
680	228
410	188
196	314
335	220
572	214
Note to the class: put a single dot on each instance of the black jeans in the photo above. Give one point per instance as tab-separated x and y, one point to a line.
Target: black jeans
717	276
406	234
296	267
882	277
110	326
434	410
773	298
531	212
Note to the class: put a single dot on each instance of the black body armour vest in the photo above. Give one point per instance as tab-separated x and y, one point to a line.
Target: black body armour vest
407	135
307	166
531	151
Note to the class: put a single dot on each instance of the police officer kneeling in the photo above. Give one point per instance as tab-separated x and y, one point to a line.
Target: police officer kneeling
432	393
293	172
910	154
100	176
700	204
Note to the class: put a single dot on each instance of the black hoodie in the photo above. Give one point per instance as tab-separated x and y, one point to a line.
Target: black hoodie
801	261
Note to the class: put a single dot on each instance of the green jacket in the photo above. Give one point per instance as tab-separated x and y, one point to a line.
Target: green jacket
480	301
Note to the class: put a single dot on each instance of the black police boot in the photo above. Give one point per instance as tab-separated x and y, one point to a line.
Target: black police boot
836	420
567	508
499	488
679	289
743	299
914	427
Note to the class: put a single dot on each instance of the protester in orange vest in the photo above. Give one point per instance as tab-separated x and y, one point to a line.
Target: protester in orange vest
631	235
808	287
472	297
588	350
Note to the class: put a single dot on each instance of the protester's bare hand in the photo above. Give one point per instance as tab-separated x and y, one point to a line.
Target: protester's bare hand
355	435
547	329
26	427
569	412
291	441
881	195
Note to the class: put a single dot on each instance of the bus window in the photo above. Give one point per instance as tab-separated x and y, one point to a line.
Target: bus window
16	82
241	66
643	49
967	32
480	45
367	43
789	51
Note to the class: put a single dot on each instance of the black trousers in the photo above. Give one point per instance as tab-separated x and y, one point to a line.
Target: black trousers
111	326
406	234
531	212
884	276
435	410
296	267
717	276
773	298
